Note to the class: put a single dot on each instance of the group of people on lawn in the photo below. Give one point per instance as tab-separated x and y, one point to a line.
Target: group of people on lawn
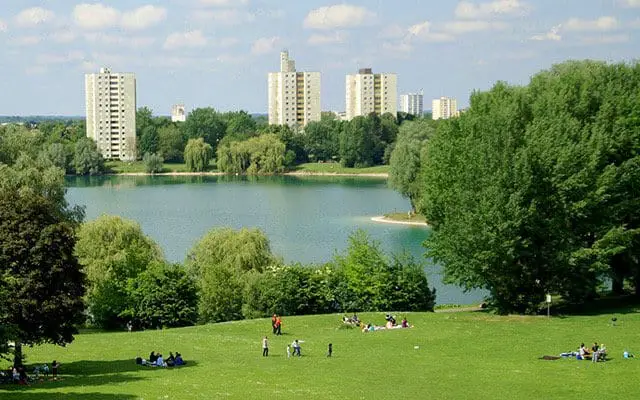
597	352
158	360
19	374
390	324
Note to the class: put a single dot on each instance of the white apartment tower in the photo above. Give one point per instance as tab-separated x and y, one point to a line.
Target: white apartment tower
111	113
371	93
294	97
412	103
444	108
178	113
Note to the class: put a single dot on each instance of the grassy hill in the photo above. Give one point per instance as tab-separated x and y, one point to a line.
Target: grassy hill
446	355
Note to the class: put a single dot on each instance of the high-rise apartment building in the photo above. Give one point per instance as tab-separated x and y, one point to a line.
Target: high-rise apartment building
412	103
178	113
371	93
444	108
111	113
294	97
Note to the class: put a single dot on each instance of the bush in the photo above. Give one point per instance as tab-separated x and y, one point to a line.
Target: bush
152	163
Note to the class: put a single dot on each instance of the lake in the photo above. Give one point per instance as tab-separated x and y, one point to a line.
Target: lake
307	219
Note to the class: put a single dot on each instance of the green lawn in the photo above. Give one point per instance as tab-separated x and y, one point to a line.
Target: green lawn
121	167
445	356
336	168
405	217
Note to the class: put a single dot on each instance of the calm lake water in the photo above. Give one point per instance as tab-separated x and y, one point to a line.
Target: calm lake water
307	219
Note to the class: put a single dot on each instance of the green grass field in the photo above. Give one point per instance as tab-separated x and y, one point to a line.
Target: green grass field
336	168
405	217
137	167
458	356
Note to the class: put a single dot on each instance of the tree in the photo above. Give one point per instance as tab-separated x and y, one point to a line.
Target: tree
264	154
87	159
112	251
149	141
529	191
41	282
323	139
240	124
357	143
405	159
374	283
205	123
171	143
153	163
162	296
219	263
58	155
197	154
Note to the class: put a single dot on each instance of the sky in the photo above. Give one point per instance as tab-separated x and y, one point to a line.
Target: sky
217	53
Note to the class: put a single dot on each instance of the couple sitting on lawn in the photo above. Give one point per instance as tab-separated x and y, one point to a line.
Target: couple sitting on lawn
157	360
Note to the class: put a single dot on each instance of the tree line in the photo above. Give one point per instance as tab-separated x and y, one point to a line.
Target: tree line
534	189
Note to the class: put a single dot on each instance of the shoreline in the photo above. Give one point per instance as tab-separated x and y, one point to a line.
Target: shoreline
212	173
385	220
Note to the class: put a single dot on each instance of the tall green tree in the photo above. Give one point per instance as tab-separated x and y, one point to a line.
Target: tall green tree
41	282
357	143
112	251
87	159
205	123
522	193
405	162
219	263
197	155
171	143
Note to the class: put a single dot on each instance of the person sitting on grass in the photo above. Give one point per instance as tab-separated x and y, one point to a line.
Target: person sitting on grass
178	361
160	361
583	353
153	357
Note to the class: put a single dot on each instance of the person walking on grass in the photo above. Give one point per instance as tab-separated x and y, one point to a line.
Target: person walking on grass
288	351
278	326
330	350
296	348
265	347
54	369
273	324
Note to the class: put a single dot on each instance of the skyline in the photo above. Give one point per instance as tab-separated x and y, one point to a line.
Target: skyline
228	47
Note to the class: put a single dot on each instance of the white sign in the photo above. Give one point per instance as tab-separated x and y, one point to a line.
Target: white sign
548	298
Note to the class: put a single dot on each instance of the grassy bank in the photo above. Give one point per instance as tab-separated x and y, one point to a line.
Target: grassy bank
336	168
446	355
405	217
137	167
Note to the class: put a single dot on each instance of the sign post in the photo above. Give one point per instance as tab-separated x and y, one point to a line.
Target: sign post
548	306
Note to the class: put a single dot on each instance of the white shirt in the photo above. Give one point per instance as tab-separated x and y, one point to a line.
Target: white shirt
265	344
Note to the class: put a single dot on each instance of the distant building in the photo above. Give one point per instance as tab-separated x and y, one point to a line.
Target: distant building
111	113
412	103
178	113
294	97
444	108
368	93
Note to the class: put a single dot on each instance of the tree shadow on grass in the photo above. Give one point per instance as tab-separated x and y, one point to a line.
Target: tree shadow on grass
620	305
101	367
25	395
94	373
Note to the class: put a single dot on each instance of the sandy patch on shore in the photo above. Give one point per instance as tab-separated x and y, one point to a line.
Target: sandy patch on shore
390	221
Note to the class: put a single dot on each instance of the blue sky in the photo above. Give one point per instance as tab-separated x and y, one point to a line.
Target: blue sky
218	52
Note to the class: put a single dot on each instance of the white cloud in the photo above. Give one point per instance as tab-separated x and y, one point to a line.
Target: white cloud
423	32
461	27
265	45
95	16
3	26
552	35
179	40
338	16
600	24
34	16
319	39
143	17
606	39
631	3
223	3
223	17
496	8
